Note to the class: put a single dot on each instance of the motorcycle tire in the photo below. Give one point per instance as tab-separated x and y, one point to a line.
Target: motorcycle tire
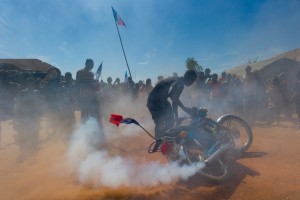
216	171
241	132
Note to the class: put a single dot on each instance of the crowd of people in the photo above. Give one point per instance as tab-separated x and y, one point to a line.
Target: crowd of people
56	97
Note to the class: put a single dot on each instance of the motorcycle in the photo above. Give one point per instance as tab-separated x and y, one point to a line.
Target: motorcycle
201	140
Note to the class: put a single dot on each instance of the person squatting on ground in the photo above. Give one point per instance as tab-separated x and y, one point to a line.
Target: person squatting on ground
163	113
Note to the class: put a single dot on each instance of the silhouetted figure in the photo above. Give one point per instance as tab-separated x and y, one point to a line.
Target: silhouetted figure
52	97
296	97
207	75
223	77
163	113
88	95
251	101
236	96
26	119
87	92
146	88
276	100
215	90
68	92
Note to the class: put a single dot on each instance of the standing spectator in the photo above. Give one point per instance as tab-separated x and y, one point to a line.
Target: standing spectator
202	90
207	75
7	94
146	89
275	100
223	77
159	78
117	82
236	96
109	83
50	90
296	97
130	88
88	97
215	88
251	102
87	92
26	119
68	90
286	95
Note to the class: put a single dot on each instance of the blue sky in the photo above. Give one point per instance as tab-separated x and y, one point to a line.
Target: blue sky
159	37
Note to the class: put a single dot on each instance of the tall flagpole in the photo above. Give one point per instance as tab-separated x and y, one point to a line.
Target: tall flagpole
123	49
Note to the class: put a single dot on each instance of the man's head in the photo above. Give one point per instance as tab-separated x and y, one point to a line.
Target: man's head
224	74
207	71
109	80
214	77
68	76
148	81
189	77
89	64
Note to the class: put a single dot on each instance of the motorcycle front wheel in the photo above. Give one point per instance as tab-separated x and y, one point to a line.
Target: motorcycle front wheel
240	131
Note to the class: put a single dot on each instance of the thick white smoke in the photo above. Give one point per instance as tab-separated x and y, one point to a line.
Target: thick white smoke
98	168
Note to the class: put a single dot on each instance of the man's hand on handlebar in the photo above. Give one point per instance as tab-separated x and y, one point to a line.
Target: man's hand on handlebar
191	111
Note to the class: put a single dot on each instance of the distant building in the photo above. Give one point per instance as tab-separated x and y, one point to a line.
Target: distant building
25	64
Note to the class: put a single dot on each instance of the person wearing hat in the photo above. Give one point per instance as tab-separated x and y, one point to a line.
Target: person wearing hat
163	112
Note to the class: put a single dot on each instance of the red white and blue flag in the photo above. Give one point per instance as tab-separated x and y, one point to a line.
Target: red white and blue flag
118	19
117	119
98	72
126	77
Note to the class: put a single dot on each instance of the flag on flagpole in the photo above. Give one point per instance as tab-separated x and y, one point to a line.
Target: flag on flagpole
98	72
126	77
118	19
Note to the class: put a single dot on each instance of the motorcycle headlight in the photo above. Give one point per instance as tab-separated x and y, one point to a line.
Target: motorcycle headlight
183	134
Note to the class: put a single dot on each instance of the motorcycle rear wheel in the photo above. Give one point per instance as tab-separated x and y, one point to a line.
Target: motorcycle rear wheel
216	171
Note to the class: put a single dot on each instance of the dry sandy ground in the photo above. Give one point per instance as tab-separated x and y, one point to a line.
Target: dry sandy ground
269	170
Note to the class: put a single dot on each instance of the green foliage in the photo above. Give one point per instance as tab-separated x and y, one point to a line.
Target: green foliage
191	63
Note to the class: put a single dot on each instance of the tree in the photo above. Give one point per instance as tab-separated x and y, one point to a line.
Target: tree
191	63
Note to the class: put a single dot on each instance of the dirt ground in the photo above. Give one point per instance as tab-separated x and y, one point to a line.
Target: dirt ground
269	170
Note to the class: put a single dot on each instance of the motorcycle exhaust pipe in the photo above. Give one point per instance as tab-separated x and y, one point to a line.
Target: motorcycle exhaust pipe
216	155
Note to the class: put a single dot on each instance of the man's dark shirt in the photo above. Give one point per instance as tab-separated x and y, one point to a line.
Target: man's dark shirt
169	87
84	78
